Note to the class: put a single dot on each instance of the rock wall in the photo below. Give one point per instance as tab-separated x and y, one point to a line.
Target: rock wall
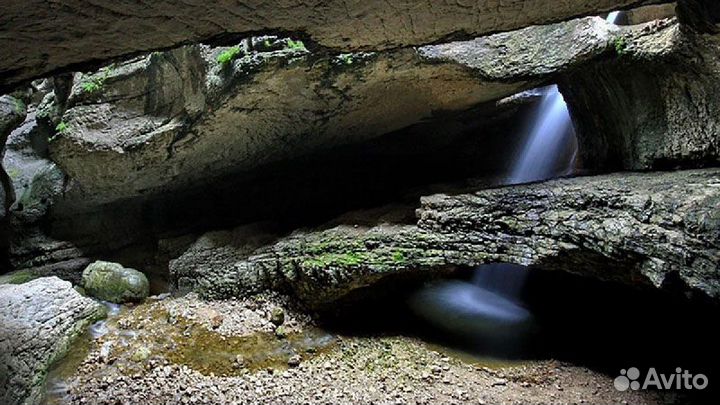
656	229
178	119
651	105
39	38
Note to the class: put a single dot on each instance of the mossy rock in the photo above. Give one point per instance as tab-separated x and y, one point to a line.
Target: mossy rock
18	277
113	282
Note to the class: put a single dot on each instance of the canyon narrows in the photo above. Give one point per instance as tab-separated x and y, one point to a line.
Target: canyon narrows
246	202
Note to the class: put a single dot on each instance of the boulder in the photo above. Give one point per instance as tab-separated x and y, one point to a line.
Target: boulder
37	39
658	230
114	283
38	322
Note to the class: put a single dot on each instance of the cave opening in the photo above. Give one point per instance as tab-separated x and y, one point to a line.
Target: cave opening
574	319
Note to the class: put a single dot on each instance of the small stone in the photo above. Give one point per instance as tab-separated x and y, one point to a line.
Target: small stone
294	360
216	321
499	382
280	332
277	316
141	354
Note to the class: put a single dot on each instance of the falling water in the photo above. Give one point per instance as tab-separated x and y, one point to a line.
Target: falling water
488	308
551	131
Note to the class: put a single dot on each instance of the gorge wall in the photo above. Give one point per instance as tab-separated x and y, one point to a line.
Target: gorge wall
174	143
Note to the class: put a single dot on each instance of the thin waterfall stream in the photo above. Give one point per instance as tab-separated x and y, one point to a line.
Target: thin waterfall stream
488	309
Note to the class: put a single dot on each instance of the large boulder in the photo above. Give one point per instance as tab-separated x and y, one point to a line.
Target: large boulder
38	322
114	283
37	38
659	230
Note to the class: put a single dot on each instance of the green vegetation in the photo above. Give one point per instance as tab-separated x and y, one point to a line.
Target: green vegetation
335	259
228	55
61	128
91	86
296	45
95	84
620	46
17	277
346	58
14	173
18	106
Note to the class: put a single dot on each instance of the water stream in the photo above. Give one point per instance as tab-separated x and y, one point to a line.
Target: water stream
488	308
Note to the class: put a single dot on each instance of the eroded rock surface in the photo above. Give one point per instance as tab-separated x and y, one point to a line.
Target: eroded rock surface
177	119
38	38
38	322
655	229
650	106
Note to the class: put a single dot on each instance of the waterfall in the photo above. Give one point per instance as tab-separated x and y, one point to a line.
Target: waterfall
488	308
541	157
549	133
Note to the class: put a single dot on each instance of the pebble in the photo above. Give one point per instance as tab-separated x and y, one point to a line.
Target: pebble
294	360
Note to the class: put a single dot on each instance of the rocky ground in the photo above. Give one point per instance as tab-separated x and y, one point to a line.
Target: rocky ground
155	353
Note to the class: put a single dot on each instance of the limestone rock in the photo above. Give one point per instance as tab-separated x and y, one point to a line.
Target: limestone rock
113	282
652	105
179	119
12	114
653	229
38	322
37	39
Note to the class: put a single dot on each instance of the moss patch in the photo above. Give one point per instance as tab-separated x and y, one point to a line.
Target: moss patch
18	277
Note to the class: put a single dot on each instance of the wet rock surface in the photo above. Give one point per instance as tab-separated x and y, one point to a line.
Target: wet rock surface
653	229
39	321
351	370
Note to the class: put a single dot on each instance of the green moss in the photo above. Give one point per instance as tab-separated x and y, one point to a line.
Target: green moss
398	257
96	83
91	86
296	45
14	173
228	55
346	58
17	277
18	106
336	259
620	46
61	128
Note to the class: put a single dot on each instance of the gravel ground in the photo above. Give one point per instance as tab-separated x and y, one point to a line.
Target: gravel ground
137	362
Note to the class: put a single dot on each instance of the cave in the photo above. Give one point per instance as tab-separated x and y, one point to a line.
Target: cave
340	203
